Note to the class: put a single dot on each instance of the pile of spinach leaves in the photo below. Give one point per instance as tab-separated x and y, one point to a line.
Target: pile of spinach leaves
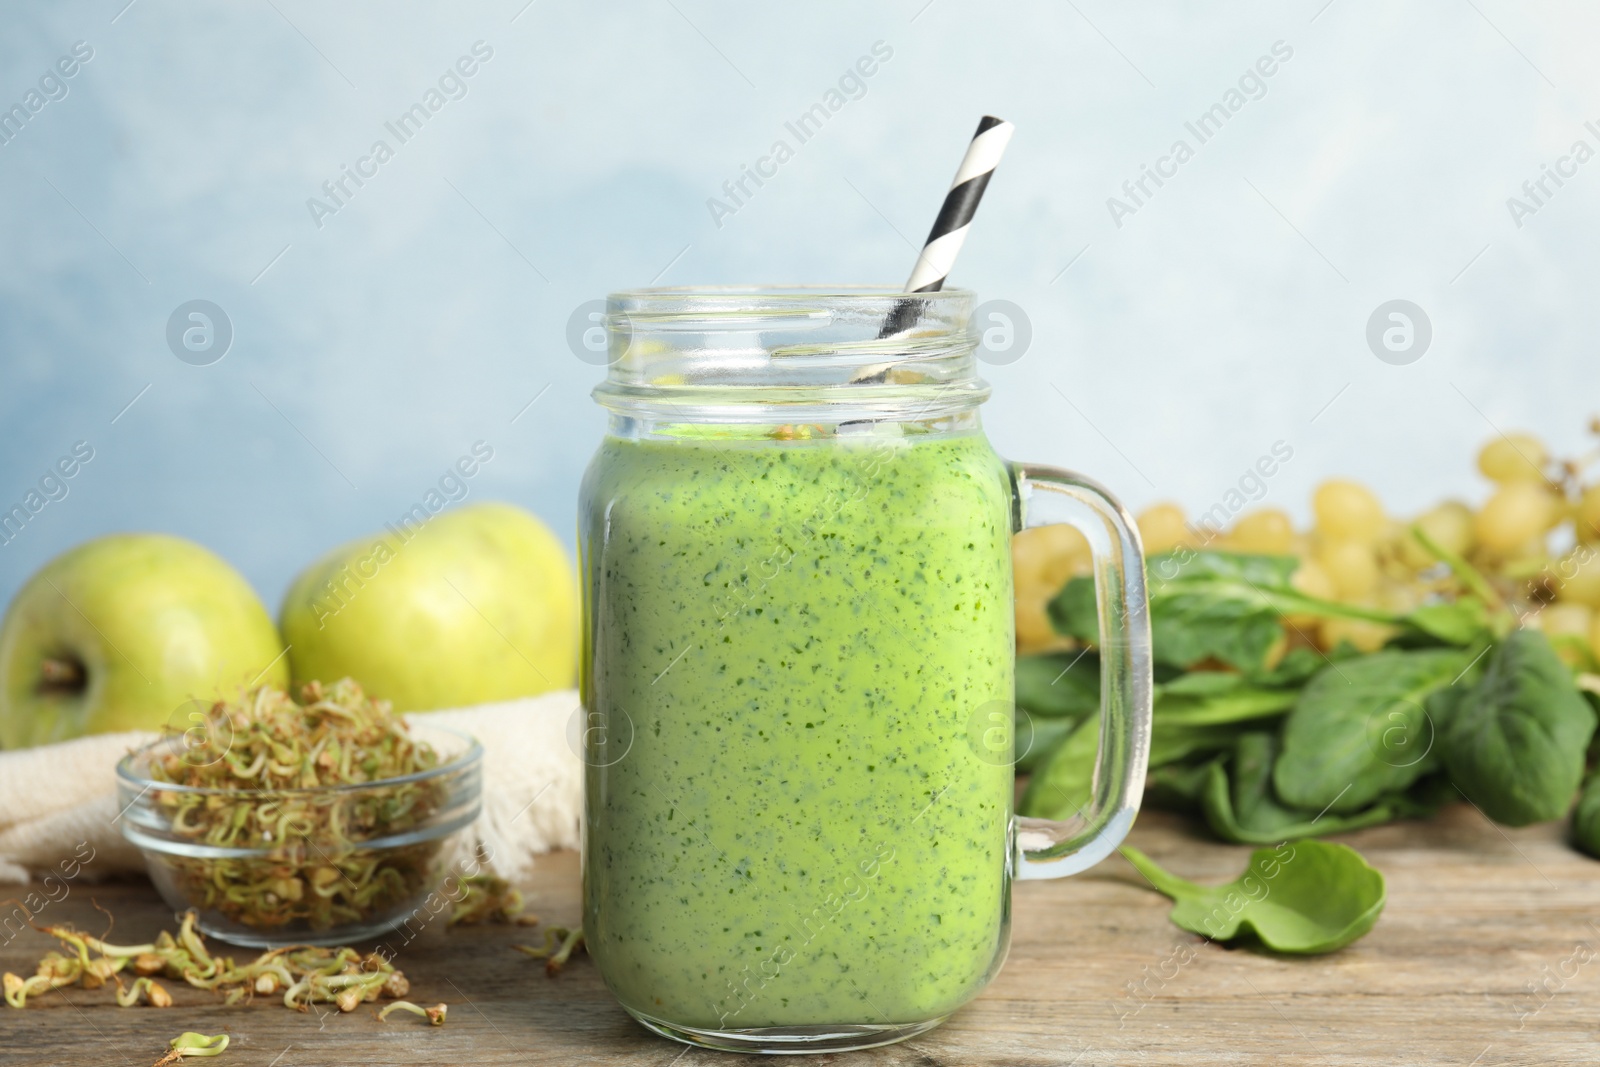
1458	704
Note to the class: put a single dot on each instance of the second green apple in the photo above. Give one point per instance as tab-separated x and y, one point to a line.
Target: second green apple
476	605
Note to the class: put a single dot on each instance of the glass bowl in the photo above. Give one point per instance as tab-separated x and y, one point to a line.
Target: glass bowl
327	865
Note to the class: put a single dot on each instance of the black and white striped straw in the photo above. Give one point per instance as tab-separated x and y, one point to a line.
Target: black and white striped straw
949	231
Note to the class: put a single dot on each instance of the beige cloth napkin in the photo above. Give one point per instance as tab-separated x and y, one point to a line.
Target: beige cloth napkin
59	813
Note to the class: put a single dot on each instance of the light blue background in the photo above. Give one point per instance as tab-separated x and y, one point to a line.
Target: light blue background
1223	316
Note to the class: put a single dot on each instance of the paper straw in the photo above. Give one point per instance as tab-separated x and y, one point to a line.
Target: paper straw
949	230
944	241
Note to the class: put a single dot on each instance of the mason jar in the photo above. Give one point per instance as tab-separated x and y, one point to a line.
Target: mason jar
797	669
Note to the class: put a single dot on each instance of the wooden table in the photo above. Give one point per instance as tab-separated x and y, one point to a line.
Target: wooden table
1476	918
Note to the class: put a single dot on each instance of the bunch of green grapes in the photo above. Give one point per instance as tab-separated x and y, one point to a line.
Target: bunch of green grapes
1536	538
1043	560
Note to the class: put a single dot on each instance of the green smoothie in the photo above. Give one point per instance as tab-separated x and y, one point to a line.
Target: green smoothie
788	641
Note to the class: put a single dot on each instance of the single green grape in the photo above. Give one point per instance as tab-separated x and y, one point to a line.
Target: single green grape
1348	511
1513	457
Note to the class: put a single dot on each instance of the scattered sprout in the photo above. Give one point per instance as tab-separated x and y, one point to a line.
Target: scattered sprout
555	958
302	975
488	898
435	1015
193	1044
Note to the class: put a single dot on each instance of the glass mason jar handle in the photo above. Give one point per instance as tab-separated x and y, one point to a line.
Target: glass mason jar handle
1047	848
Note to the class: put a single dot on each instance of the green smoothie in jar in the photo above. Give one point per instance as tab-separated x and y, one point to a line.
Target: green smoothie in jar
799	632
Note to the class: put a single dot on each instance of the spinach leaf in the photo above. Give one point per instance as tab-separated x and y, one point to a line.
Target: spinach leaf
1055	691
1061	782
1308	898
1205	605
1514	743
1359	729
1586	818
1237	704
1042	735
1442	703
1294	670
1202	684
1172	742
1061	787
1247	812
1459	622
1059	684
1073	610
1177	786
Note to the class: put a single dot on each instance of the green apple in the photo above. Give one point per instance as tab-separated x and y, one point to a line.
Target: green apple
121	632
469	606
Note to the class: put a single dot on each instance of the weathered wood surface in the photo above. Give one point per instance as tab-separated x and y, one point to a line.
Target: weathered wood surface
1476	917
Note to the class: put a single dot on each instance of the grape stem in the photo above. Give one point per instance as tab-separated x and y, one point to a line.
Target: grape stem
1470	576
